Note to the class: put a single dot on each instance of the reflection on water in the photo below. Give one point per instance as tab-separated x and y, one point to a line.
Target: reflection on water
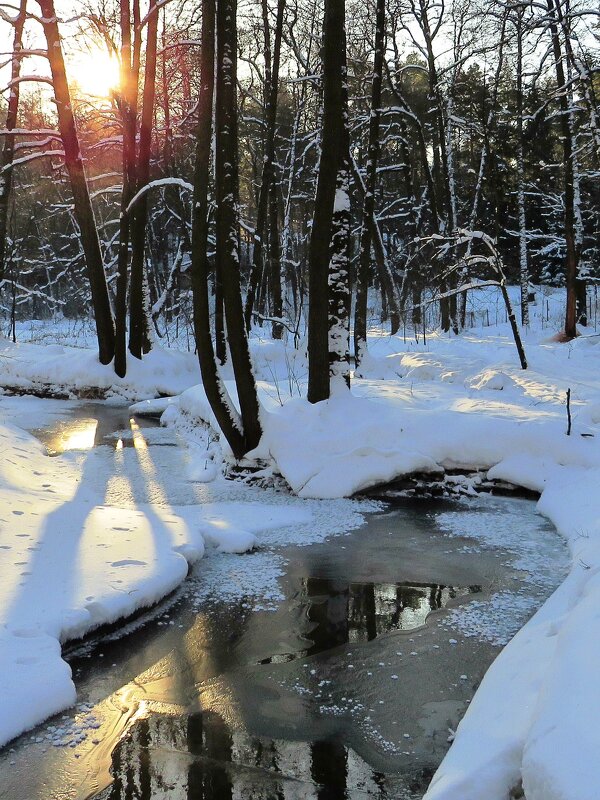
80	434
339	613
200	757
105	428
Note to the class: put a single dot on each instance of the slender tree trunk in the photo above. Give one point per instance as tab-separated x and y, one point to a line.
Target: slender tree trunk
275	270
523	258
286	238
332	155
569	195
411	279
440	150
128	104
220	332
82	206
223	408
271	89
390	295
581	286
586	82
139	340
6	158
364	263
228	229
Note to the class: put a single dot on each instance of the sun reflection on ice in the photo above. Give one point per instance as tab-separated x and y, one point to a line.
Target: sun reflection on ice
76	436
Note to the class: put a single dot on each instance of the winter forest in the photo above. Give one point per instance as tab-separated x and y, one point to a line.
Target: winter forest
298	405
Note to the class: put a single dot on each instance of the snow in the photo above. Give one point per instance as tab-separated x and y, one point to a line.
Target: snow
70	371
419	406
465	403
81	547
445	412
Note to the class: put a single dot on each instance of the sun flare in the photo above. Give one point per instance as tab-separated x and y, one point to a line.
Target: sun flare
95	73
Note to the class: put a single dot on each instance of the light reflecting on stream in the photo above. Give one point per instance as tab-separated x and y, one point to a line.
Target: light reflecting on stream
79	435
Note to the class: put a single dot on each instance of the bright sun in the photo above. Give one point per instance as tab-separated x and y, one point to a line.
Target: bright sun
95	73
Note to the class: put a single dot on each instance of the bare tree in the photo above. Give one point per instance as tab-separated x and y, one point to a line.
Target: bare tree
374	146
139	340
331	199
6	158
82	206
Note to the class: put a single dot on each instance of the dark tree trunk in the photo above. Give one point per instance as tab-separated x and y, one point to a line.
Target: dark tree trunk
139	339
332	158
523	256
82	206
386	279
127	102
228	228
571	262
440	155
6	158
412	279
220	333
275	274
222	406
364	264
272	86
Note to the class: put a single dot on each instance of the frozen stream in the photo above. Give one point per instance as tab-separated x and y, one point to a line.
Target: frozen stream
331	670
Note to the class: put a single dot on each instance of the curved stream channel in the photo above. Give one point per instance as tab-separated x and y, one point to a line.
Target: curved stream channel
333	670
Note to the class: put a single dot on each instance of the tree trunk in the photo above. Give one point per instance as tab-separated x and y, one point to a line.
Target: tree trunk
390	295
127	103
272	87
228	225
523	260
275	270
440	149
364	263
222	406
569	195
139	340
82	206
6	159
332	155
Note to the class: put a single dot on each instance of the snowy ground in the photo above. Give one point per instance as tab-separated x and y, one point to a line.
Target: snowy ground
423	405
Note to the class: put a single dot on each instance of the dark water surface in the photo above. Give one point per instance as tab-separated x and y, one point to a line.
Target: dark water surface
348	687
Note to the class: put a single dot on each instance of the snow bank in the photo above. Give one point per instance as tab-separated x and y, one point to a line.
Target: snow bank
419	406
65	371
466	404
70	563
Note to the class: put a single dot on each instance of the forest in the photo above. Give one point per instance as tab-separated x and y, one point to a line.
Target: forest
459	118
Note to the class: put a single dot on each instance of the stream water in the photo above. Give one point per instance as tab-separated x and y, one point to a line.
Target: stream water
333	670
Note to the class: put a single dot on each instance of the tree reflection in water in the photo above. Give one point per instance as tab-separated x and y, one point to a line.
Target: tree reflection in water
199	757
338	612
